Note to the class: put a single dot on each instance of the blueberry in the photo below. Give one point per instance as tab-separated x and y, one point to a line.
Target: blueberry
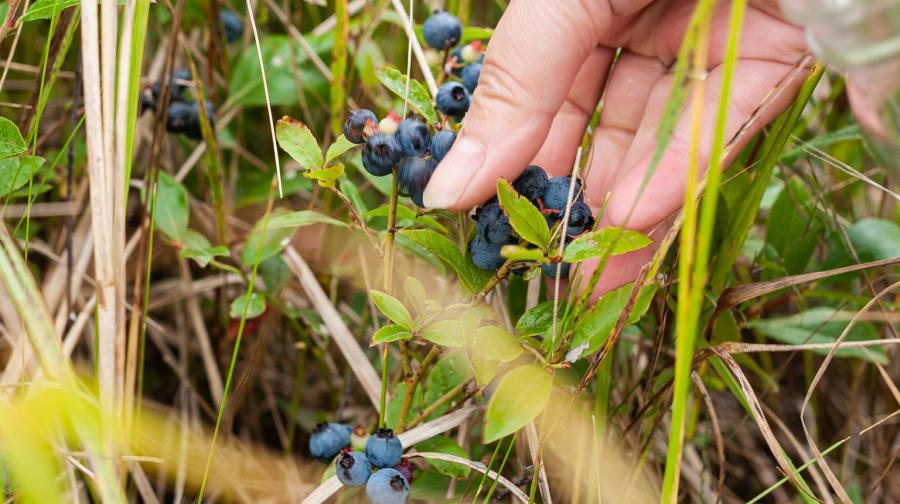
485	255
383	449
442	30
493	224
387	486
455	62
232	25
549	270
381	154
453	99
441	143
558	191
580	219
532	183
413	136
181	80
328	439
413	176
184	118
470	75
352	468
405	467
360	124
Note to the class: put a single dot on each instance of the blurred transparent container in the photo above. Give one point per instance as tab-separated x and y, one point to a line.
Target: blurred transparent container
862	38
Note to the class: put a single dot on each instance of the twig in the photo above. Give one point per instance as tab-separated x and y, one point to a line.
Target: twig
412	382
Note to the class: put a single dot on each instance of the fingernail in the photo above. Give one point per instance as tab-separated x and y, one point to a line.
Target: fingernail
454	174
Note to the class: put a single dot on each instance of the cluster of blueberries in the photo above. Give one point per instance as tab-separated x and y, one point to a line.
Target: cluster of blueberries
184	115
443	31
493	231
388	483
393	142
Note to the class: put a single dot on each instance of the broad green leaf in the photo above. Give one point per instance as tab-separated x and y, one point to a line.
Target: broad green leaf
286	79
517	253
609	240
393	309
495	343
15	172
472	278
448	333
298	141
392	412
520	397
823	325
596	326
872	239
44	9
537	319
256	307
419	99
448	372
271	244
339	147
172	210
326	176
471	33
300	218
11	141
275	273
444	444
524	217
195	246
484	369
793	229
406	214
390	333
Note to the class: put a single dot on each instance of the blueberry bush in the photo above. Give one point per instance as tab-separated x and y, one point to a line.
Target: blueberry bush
219	280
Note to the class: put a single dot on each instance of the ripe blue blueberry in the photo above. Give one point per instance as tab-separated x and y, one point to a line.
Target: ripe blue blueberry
413	176
387	486
470	75
383	449
558	192
442	30
580	219
413	136
485	255
184	118
453	99
493	224
549	270
532	183
328	439
352	468
232	25
381	154
360	124
441	143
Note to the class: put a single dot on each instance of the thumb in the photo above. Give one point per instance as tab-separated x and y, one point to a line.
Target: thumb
531	62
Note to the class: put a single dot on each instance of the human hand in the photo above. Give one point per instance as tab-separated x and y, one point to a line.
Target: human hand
546	67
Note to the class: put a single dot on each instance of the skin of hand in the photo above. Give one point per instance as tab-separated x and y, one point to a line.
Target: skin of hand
546	67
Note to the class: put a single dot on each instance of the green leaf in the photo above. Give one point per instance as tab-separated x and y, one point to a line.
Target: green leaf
393	309
299	218
448	333
517	253
471	33
793	229
287	67
339	147
419	99
593	330
326	176
15	172
524	217
44	9
606	241
197	247
823	325
172	210
298	141
472	278
872	239
495	343
444	444
451	370
11	141
256	308
520	397
275	239
537	319
390	333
